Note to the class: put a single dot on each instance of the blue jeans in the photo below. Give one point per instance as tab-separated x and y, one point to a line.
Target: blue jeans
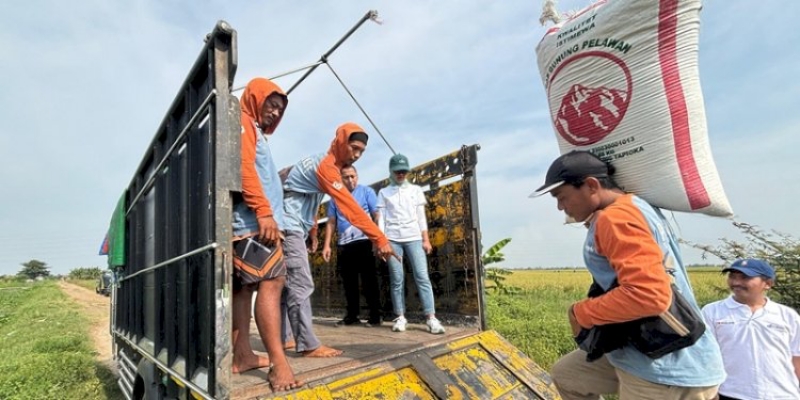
419	267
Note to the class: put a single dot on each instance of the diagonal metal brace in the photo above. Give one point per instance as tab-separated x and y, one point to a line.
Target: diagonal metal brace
370	15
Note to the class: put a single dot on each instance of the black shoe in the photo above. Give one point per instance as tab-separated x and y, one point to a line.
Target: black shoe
348	322
374	322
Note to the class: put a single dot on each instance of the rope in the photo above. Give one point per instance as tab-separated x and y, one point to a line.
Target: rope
549	12
328	64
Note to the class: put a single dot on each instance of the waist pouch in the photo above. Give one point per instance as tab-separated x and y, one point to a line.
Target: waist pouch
255	261
677	328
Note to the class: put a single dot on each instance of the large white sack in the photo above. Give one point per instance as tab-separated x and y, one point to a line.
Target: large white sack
622	81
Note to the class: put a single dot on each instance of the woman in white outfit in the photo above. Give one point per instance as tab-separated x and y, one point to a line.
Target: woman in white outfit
401	217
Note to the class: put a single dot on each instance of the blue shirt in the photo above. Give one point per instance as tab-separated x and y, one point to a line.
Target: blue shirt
244	219
365	197
302	194
698	365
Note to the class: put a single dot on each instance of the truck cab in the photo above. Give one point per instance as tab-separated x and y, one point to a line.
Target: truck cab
171	303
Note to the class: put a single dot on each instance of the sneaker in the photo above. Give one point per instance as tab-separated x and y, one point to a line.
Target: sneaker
374	322
348	322
434	326
399	324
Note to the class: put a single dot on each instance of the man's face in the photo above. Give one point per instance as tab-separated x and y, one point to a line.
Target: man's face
355	149
576	202
746	289
350	178
271	111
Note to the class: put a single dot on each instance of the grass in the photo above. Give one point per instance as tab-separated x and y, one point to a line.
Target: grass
535	320
46	352
45	349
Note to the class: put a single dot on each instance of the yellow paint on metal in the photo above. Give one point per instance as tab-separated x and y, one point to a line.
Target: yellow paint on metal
477	373
401	384
359	377
313	393
514	361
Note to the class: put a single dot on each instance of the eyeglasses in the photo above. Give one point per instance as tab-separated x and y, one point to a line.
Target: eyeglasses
400	172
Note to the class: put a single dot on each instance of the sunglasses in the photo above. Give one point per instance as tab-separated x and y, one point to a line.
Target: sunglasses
400	172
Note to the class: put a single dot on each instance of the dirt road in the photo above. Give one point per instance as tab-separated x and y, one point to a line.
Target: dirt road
96	307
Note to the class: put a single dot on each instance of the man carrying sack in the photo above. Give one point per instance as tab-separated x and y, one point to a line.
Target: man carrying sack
630	243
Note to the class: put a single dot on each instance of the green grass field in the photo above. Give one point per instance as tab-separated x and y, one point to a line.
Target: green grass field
535	320
46	353
45	349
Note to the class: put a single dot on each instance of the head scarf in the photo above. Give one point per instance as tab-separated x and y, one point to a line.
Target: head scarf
255	93
340	145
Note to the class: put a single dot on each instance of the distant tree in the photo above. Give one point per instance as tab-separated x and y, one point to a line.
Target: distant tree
34	269
780	250
496	274
85	273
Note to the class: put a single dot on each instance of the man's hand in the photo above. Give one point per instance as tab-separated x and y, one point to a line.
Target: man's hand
314	244
573	322
386	251
426	246
326	253
268	231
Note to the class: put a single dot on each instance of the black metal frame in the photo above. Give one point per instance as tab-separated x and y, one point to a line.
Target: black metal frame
172	303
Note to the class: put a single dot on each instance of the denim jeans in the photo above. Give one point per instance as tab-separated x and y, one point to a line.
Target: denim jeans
419	267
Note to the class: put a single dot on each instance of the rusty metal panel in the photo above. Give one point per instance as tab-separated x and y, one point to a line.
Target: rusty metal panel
480	366
453	264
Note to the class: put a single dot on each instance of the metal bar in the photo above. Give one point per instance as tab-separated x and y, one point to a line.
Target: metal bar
198	391
371	14
171	149
361	108
281	75
124	389
170	261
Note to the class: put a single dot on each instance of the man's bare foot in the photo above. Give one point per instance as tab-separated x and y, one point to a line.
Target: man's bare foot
248	363
281	378
322	352
289	345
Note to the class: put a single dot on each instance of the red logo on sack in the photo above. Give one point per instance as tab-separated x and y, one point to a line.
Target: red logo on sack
589	110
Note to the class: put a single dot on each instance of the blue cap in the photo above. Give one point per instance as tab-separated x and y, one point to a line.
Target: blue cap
752	268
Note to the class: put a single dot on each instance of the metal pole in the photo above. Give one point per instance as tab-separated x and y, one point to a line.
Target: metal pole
371	14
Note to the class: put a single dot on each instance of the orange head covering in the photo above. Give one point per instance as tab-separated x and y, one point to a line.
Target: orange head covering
339	146
255	93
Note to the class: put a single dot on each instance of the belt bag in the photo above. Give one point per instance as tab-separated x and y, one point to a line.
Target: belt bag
678	327
255	261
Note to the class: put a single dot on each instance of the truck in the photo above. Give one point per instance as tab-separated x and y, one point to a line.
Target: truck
170	242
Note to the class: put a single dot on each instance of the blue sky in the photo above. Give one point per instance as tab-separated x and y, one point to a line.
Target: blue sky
86	84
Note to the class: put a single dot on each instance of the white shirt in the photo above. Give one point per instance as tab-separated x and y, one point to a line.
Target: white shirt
757	349
402	212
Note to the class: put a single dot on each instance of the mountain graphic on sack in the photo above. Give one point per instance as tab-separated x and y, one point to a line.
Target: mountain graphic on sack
587	115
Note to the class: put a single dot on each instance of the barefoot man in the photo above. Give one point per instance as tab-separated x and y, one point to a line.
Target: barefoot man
306	184
258	216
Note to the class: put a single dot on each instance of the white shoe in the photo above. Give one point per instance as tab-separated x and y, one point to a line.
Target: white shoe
399	324
434	326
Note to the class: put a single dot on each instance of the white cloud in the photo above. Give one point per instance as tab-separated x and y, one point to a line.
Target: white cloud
86	85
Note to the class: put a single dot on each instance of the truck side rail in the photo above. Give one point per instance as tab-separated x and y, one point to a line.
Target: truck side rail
171	305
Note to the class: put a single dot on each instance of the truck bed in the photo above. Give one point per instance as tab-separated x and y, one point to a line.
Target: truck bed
379	363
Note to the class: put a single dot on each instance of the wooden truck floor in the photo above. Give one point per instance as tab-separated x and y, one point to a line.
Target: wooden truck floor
463	363
362	346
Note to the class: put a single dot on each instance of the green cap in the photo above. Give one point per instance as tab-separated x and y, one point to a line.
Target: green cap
398	162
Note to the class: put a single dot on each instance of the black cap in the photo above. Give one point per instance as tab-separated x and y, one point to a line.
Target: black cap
573	167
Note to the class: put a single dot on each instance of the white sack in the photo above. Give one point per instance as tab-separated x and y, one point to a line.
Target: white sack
622	81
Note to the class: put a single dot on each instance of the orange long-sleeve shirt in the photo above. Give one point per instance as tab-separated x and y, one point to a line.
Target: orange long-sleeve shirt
622	235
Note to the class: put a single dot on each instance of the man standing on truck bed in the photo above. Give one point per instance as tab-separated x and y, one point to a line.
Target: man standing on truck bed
630	242
306	184
354	258
258	215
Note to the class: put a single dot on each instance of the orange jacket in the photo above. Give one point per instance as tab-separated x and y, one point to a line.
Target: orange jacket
329	177
622	235
252	100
